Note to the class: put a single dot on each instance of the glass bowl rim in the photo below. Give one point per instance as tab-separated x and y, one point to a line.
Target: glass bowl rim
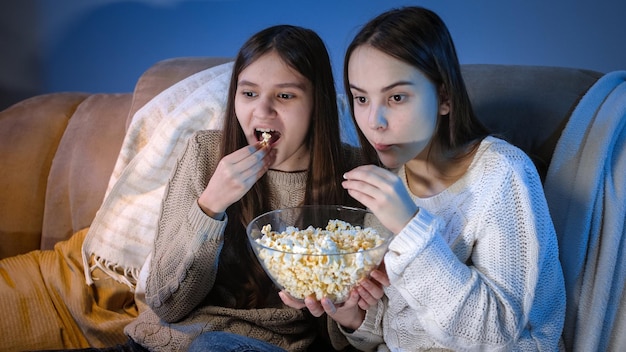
387	236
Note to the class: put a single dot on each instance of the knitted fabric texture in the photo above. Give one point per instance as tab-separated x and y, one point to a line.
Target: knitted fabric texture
185	259
477	268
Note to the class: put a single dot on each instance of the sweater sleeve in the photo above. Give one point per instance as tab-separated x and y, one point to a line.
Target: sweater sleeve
485	300
369	335
188	242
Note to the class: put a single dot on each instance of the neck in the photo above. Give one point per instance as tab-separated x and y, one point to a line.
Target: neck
430	174
298	161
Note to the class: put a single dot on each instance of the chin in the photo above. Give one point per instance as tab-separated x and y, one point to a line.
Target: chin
390	163
391	160
386	158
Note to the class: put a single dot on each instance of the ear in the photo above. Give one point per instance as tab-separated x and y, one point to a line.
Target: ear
444	101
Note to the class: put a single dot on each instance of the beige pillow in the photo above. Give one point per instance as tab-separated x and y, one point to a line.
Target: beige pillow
166	73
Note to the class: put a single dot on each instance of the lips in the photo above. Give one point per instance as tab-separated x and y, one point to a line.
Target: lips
382	147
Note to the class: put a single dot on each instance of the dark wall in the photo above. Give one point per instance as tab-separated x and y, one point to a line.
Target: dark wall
104	45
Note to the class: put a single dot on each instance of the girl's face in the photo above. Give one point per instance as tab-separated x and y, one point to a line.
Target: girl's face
395	105
272	97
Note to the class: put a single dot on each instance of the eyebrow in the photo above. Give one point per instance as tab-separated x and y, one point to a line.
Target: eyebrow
387	88
300	86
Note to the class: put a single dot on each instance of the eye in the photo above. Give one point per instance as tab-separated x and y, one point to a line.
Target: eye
397	98
360	100
286	96
248	94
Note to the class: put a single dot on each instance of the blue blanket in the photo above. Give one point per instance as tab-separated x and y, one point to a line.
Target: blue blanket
586	191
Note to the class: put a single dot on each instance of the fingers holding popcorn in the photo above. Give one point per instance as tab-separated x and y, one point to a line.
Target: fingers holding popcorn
235	174
383	193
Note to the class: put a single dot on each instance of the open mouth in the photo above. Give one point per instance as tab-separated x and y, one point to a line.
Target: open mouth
266	136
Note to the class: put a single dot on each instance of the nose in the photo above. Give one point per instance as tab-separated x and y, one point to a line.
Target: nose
377	120
264	107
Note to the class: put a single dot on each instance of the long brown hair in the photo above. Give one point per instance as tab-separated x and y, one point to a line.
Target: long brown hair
418	37
304	51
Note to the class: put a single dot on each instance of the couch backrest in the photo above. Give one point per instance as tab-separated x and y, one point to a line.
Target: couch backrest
82	165
30	132
59	150
528	105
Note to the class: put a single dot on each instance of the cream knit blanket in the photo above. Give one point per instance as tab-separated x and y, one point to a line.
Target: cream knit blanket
123	231
586	191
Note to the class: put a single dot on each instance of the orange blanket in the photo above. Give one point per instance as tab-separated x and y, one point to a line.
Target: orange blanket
46	304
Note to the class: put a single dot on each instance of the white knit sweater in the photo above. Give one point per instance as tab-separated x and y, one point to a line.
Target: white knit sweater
476	269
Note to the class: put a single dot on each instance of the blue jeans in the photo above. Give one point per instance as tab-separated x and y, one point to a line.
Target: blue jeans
219	341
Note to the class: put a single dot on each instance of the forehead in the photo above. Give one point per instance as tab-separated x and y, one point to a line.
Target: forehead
369	66
270	70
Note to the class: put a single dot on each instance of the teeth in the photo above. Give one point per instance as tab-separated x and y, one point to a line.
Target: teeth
264	135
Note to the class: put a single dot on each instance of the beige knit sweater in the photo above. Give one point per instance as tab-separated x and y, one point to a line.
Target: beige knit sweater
185	259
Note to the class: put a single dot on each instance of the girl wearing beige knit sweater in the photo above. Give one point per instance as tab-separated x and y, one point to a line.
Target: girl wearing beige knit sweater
204	279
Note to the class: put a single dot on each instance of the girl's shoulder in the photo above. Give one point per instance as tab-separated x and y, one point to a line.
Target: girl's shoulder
498	156
494	149
203	149
207	137
206	142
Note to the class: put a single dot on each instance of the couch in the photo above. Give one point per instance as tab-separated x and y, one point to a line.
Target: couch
58	150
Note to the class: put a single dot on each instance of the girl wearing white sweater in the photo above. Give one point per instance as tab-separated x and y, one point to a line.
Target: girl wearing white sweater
474	263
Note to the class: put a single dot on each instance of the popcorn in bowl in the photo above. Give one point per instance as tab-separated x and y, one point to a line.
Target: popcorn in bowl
322	251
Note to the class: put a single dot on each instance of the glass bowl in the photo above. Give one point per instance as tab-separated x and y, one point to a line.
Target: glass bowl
311	250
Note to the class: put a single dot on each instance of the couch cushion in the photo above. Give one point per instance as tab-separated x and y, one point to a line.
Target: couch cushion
527	105
164	74
30	132
82	165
